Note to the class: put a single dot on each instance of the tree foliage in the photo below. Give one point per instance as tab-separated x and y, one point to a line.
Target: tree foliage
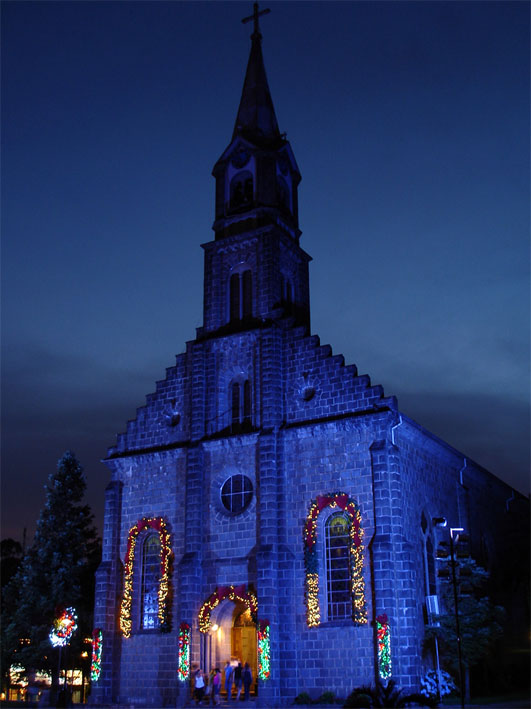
479	619
57	571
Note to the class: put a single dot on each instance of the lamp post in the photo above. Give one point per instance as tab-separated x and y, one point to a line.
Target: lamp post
456	531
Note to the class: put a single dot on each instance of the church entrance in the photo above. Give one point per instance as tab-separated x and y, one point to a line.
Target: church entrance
232	637
243	645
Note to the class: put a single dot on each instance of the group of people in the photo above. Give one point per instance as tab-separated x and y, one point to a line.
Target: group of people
209	686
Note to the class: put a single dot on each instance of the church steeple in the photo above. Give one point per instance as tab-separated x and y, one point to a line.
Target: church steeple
256	120
255	270
257	174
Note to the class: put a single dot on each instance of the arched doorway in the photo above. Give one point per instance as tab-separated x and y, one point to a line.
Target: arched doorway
243	638
227	621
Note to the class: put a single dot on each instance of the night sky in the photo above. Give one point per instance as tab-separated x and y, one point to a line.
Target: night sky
409	122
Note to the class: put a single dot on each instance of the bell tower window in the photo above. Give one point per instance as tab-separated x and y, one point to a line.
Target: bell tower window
241	190
240	406
240	295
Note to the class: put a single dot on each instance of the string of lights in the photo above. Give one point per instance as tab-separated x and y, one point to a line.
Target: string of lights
159	525
97	649
383	633
341	501
233	593
264	650
183	669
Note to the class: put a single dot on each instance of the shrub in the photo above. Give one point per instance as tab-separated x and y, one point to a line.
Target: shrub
428	684
303	698
327	698
384	695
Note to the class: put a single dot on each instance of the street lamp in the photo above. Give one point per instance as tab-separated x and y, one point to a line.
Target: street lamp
454	538
456	533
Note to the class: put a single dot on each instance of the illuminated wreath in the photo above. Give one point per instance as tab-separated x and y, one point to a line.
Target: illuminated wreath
233	593
383	633
311	558
64	626
159	525
97	647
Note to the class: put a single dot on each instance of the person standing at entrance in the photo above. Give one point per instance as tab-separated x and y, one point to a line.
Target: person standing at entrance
199	686
238	679
247	677
228	678
216	686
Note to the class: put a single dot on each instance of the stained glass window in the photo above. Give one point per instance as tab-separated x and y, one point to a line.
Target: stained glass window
150	582
337	543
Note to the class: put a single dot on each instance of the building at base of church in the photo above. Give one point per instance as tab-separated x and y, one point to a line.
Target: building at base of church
269	505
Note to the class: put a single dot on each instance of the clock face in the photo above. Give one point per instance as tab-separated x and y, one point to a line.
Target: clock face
240	157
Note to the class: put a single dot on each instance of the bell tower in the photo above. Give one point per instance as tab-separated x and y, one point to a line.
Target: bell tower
255	270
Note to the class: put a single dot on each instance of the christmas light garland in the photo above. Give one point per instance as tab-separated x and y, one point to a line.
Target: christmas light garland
97	647
183	668
383	633
343	502
64	626
159	525
264	650
233	593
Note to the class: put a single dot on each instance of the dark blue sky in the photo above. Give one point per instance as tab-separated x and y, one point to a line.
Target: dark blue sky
409	122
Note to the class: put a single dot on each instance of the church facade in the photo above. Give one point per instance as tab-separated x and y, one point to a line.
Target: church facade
269	504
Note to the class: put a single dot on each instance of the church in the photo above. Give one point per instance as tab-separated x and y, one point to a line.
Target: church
270	505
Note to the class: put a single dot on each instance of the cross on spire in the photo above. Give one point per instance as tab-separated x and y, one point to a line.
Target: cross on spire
256	14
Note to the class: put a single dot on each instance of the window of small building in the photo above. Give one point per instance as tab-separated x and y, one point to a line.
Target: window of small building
149	618
337	560
237	493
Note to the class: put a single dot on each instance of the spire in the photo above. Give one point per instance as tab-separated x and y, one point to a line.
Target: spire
256	120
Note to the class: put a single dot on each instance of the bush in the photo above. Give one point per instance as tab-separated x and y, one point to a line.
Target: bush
428	684
358	699
326	698
384	695
303	698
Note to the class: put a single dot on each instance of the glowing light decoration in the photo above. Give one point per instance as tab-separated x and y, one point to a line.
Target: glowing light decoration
159	525
233	593
183	669
264	650
97	647
383	634
341	501
64	626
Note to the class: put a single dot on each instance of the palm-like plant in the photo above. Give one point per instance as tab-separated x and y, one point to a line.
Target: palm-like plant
385	695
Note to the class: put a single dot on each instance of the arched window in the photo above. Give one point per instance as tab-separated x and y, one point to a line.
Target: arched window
240	397
241	190
337	560
149	592
333	556
240	295
287	293
428	571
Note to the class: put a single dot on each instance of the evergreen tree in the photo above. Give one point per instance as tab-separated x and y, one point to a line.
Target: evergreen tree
57	572
480	620
10	559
